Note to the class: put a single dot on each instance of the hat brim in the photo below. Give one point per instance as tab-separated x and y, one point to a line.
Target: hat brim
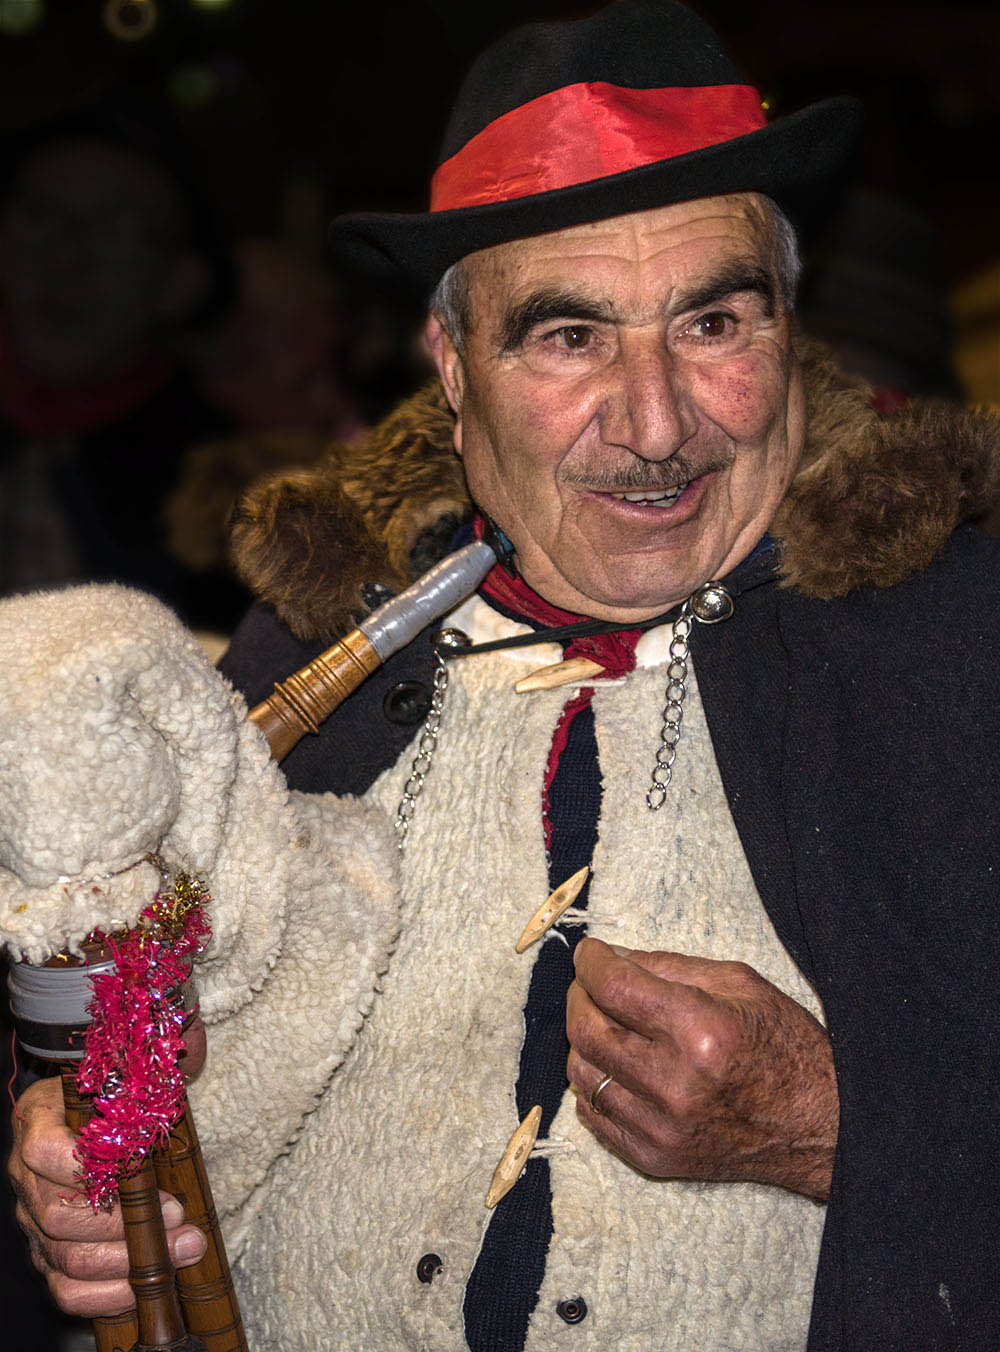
798	161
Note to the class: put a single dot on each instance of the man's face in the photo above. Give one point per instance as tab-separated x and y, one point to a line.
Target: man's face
628	408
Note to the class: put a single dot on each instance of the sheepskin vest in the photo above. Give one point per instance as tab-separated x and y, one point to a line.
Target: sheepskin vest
405	1142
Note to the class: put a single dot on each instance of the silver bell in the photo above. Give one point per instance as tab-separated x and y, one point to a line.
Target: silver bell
711	603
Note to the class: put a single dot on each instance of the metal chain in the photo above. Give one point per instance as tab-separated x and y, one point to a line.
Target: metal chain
666	754
425	753
670	733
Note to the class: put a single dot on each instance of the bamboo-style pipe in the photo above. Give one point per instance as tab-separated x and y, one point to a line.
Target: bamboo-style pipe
300	704
112	1333
207	1296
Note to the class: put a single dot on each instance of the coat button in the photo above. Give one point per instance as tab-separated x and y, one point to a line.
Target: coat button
428	1268
711	603
407	703
572	1311
375	594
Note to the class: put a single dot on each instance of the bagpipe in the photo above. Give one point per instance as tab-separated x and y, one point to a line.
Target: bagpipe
109	1003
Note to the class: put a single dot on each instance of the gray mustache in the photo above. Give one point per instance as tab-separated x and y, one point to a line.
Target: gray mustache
642	475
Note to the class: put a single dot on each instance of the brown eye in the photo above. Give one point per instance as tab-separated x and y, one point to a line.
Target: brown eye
711	326
576	337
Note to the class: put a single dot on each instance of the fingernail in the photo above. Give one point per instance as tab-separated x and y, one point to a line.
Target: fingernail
622	952
173	1214
191	1244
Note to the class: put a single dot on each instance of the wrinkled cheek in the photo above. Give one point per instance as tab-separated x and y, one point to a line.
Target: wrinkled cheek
528	446
498	473
743	399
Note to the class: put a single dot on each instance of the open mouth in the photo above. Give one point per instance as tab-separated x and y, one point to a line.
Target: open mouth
653	497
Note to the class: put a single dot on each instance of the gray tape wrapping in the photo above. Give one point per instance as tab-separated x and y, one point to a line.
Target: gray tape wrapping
51	1006
53	994
448	583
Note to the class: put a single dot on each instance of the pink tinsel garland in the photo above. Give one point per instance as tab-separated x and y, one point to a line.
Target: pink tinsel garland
134	1040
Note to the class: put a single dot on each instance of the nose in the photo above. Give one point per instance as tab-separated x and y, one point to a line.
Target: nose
647	409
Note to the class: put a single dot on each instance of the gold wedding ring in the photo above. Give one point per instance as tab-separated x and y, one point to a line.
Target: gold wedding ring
596	1093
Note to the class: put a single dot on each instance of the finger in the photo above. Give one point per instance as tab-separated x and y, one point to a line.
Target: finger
57	1214
107	1261
586	1082
44	1142
618	1121
614	1128
633	996
92	1279
52	1215
600	1046
187	1246
90	1300
722	979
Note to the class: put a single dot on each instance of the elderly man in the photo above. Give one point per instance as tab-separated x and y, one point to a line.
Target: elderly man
614	272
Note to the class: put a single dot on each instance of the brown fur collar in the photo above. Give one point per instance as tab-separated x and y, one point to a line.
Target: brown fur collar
874	500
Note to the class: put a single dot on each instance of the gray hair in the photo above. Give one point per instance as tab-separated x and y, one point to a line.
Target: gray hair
450	301
787	259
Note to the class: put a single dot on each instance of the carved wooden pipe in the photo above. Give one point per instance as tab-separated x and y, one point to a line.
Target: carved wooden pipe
157	1320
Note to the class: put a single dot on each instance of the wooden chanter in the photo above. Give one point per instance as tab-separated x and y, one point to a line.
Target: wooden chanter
194	1309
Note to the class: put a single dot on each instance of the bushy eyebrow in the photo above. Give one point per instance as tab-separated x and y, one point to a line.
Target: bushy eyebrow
731	280
550	303
545	305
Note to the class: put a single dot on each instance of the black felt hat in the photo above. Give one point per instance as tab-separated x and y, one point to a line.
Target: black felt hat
636	107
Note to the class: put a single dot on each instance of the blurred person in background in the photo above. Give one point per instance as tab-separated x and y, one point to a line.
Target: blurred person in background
108	253
278	359
304	363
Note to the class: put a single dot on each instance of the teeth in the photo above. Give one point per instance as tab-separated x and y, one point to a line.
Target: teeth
665	495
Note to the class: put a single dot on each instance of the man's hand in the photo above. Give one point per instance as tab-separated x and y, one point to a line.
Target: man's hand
717	1073
80	1253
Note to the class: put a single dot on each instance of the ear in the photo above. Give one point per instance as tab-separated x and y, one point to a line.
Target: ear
450	369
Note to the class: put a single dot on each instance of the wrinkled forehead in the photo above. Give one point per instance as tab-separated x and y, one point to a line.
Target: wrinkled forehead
644	251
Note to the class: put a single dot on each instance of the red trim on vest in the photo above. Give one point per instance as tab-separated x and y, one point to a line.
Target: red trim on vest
588	131
615	652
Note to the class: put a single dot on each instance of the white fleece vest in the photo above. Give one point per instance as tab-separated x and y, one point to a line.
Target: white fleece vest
395	1160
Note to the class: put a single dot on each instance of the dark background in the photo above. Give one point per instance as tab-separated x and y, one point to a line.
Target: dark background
287	98
301	109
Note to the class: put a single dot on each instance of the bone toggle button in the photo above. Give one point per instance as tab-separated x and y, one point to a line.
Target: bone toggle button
515	1157
574	671
552	908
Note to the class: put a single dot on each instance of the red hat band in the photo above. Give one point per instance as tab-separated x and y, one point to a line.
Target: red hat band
589	131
